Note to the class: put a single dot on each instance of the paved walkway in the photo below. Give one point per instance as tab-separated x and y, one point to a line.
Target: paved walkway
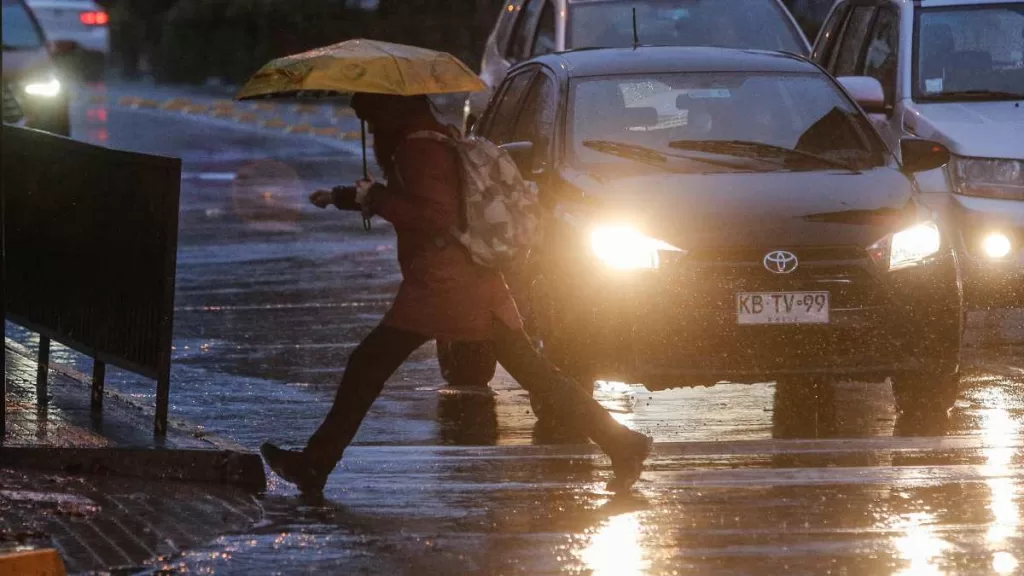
99	520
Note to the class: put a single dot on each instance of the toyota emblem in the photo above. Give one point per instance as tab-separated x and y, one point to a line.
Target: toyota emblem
780	262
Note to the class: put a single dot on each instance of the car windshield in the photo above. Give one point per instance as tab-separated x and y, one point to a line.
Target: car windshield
718	121
19	31
970	53
757	24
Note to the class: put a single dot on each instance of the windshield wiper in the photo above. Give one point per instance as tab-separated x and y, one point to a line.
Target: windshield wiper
976	95
645	154
754	150
626	150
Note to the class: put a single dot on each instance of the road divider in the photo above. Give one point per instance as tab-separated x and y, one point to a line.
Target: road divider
308	119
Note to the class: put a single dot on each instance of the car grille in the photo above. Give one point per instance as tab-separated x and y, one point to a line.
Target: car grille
12	112
844	272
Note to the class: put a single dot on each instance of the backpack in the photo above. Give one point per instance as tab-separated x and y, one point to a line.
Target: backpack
502	211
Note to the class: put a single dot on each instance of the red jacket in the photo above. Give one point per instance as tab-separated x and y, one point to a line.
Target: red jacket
443	293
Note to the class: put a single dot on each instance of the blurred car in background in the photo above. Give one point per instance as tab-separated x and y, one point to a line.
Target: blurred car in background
13	116
951	71
529	28
80	28
29	72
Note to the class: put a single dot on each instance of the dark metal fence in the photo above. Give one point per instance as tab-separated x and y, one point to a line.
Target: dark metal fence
90	247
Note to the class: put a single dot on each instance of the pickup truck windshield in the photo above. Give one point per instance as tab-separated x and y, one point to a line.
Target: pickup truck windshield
970	53
755	24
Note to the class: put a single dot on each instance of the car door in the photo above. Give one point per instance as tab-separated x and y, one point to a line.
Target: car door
528	27
881	62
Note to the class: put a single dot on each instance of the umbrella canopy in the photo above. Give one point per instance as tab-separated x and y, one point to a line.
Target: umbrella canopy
363	66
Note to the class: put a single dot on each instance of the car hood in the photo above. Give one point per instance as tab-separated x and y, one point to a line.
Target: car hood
21	64
747	210
983	129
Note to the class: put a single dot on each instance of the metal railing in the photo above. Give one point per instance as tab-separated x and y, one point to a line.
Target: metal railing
89	252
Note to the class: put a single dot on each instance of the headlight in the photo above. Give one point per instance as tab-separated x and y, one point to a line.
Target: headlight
996	245
624	248
989	178
909	247
46	89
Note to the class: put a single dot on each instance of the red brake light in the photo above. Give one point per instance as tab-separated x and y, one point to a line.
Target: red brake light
94	18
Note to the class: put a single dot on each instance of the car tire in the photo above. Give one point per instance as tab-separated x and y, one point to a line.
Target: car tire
466	364
546	325
94	67
926	393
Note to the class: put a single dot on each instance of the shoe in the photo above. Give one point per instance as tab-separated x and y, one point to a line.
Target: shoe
628	462
293	467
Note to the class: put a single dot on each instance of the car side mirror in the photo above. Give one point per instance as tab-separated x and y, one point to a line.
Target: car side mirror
865	91
919	155
522	155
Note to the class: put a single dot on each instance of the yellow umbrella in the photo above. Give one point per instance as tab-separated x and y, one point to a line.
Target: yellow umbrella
363	66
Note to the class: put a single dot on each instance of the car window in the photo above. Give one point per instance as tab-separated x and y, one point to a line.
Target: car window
851	45
759	24
506	20
502	119
536	122
825	44
880	58
526	26
667	113
19	31
544	40
972	52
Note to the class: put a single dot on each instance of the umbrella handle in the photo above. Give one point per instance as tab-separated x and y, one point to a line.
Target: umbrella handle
366	171
362	135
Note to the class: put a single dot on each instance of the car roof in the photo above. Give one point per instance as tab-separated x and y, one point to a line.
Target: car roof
662	59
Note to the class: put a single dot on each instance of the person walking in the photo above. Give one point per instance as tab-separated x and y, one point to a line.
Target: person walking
443	295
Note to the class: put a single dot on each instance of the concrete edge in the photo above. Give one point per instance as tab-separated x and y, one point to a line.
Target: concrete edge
225	467
178	425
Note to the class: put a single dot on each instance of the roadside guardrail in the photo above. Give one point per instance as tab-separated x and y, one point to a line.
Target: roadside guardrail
89	251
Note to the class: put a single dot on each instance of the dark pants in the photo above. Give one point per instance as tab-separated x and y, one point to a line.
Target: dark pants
386	348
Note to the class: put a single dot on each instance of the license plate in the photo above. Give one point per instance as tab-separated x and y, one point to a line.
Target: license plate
782	307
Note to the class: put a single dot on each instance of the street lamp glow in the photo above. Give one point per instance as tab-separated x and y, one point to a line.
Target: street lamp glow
47	89
996	245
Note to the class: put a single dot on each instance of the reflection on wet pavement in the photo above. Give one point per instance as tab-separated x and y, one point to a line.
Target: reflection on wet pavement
745	479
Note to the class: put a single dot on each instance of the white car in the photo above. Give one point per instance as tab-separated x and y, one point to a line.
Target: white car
81	30
529	28
950	71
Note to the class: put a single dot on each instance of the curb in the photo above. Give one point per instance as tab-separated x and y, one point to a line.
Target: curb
46	562
237	469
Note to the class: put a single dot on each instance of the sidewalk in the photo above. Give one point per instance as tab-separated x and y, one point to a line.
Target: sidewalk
100	488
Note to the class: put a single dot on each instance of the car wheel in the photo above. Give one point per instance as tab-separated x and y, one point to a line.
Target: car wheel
926	393
466	364
547	326
94	67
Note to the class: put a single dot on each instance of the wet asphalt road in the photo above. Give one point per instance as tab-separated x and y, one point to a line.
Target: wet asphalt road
273	294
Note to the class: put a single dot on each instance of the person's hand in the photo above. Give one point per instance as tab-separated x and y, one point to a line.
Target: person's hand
321	198
363	189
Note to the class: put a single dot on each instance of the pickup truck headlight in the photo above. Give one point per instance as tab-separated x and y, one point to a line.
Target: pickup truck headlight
908	247
624	248
43	88
988	177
